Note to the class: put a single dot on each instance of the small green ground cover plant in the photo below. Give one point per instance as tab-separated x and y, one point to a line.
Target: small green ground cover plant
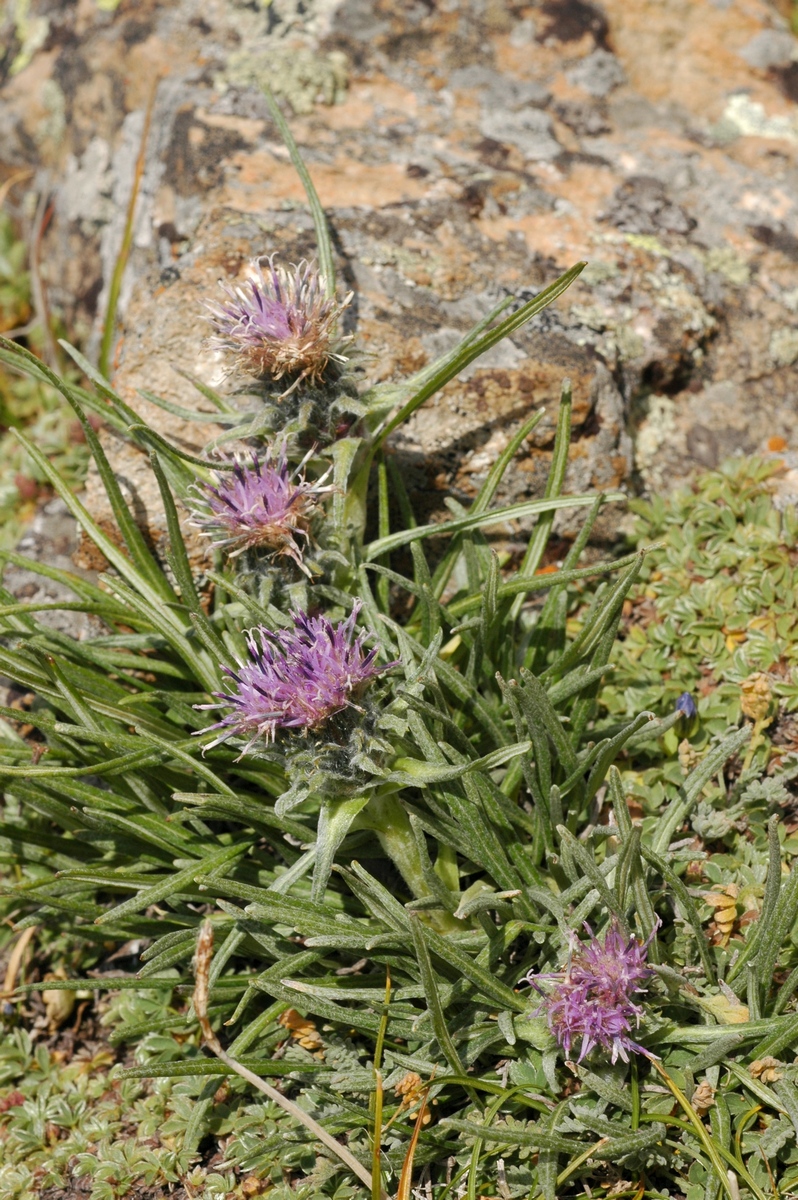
365	813
714	614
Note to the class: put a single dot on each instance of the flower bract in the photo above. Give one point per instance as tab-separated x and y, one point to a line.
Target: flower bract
295	679
591	1001
280	322
264	505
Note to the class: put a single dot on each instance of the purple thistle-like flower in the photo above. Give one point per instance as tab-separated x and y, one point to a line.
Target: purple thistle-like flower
615	966
262	506
280	322
295	678
591	1003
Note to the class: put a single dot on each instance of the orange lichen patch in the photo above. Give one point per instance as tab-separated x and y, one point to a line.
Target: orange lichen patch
262	179
301	1030
357	110
690	49
776	445
144	62
534	60
559	234
756	153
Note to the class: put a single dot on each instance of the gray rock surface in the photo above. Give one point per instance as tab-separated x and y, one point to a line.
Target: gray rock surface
463	150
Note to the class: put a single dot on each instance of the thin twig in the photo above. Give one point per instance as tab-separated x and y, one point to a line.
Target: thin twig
21	330
202	966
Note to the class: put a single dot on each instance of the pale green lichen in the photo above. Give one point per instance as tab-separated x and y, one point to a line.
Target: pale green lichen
300	76
784	346
31	32
629	344
790	299
747	118
674	294
726	262
644	241
52	127
599	271
656	429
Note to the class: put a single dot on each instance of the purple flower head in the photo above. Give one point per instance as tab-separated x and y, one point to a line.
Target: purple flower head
280	322
262	506
295	678
591	1002
686	705
616	966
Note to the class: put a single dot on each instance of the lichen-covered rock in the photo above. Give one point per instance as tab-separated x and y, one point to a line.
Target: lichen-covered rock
462	151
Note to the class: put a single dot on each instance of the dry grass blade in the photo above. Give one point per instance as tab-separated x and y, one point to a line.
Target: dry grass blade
202	967
406	1178
15	960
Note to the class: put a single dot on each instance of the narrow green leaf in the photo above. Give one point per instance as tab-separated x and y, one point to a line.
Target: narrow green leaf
203	1067
554	484
479	520
484	981
172	884
713	761
611	751
177	546
602	615
418	773
190	414
758	937
127	569
335	821
470	350
587	866
432	995
153	440
688	907
323	240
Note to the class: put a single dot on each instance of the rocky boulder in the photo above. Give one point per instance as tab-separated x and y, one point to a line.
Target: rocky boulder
463	150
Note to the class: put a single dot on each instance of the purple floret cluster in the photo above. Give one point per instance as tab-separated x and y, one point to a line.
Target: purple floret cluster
590	1002
263	506
280	322
295	678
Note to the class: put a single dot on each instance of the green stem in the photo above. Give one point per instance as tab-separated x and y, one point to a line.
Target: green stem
115	286
386	816
703	1136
